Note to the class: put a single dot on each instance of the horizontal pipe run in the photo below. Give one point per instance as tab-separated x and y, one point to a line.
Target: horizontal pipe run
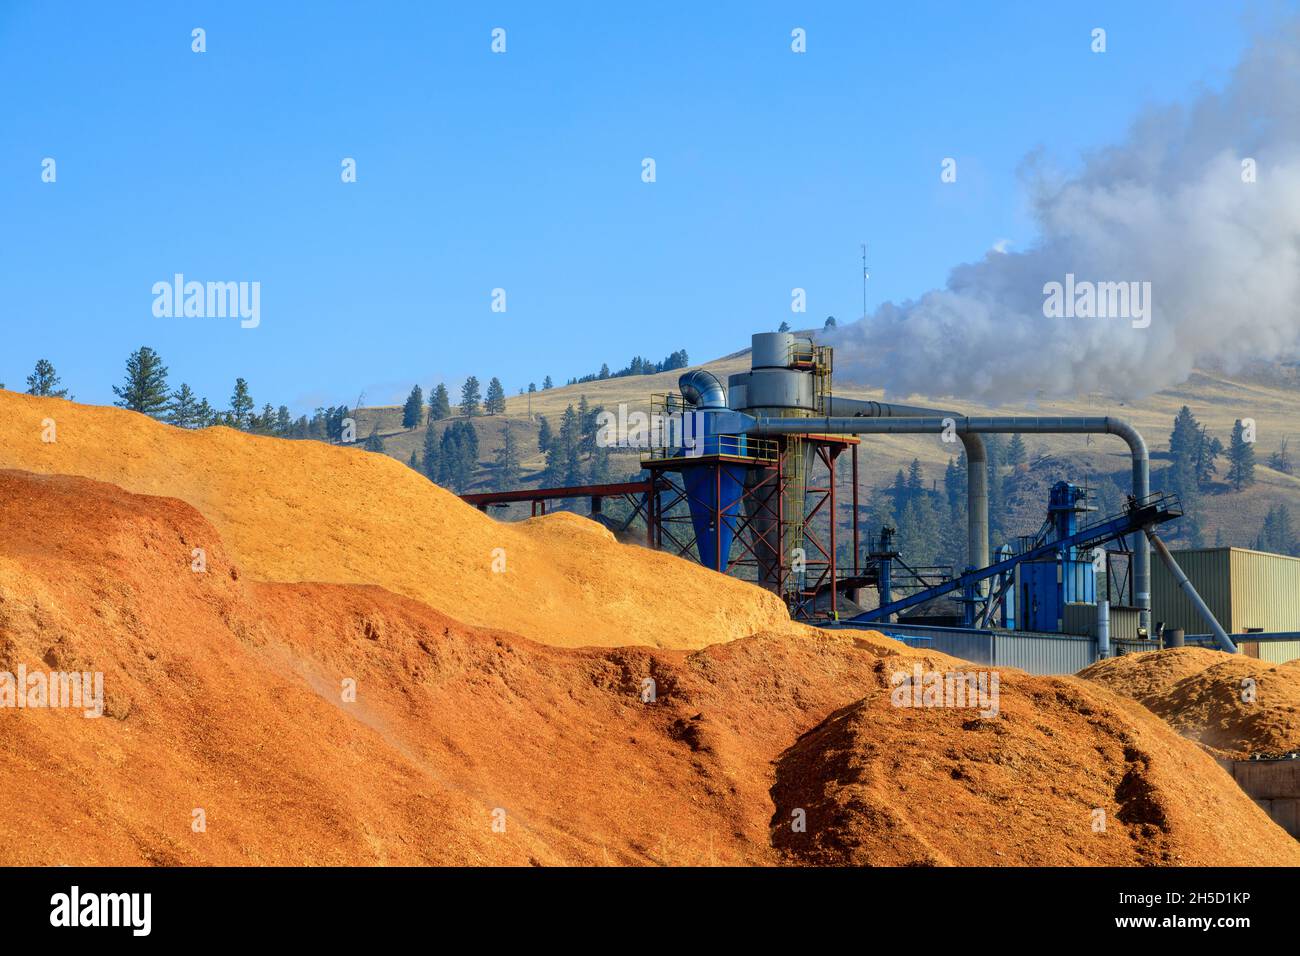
977	487
1022	424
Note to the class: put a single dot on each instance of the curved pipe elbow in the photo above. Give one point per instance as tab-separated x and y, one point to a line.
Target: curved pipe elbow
702	389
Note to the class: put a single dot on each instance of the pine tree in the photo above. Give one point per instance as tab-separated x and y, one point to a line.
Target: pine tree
1280	460
919	532
45	381
604	371
785	327
915	480
1016	453
241	405
901	497
546	383
1241	458
266	421
1192	450
459	451
495	404
183	409
204	414
374	442
1182	440
1277	533
586	426
952	488
145	389
470	397
283	422
413	408
414	462
439	404
544	436
448	456
430	458
507	463
830	322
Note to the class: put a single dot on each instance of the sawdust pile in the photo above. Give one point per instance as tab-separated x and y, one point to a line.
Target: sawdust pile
226	696
1238	706
307	511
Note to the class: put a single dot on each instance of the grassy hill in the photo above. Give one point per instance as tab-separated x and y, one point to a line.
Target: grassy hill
1270	395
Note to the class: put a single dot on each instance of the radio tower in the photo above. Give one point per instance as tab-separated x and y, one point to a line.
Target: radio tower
865	276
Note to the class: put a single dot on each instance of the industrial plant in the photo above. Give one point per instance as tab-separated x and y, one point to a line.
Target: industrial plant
749	486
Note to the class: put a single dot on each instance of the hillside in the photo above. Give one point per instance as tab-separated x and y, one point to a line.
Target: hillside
1270	395
223	695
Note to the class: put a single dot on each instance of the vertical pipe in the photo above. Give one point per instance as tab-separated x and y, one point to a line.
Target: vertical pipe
977	502
1103	630
1141	491
857	568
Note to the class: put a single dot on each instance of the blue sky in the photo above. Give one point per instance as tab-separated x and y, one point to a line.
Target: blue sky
523	171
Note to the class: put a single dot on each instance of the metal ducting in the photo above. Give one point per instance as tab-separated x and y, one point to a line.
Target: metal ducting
1002	425
702	389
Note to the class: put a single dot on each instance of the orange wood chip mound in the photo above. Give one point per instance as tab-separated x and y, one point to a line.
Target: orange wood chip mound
1237	706
249	721
308	511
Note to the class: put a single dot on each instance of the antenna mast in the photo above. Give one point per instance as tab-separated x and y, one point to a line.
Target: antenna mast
865	276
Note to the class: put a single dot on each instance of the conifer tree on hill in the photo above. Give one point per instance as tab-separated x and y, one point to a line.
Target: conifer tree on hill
145	388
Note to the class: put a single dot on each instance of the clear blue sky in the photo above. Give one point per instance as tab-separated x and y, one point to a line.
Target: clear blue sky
523	171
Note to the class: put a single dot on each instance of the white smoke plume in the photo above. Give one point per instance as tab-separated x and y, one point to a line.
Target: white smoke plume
1167	206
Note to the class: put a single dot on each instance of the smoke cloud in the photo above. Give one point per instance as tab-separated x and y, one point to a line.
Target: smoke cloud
1172	205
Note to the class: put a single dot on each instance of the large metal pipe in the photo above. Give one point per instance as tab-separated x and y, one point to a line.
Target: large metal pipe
1001	425
1220	635
1103	630
977	472
702	389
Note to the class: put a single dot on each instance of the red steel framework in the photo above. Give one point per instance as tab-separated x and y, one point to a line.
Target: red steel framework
762	503
663	503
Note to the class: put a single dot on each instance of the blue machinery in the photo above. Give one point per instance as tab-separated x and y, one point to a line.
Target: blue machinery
1056	567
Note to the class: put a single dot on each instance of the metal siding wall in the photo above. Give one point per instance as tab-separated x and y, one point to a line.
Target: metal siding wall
1044	655
1082	619
1208	570
1279	652
973	646
1035	653
1265	592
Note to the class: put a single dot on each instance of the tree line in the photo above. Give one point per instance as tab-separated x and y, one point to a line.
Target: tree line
145	389
638	366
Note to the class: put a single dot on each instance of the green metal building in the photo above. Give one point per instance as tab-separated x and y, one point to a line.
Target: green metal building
1246	590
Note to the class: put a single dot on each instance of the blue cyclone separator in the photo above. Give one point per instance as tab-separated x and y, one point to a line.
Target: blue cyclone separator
703	491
